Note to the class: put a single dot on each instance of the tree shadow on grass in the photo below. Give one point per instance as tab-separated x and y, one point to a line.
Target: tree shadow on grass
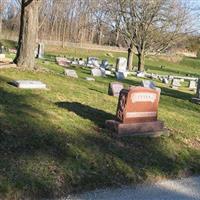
86	112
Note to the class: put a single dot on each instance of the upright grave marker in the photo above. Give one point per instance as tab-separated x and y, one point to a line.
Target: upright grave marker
115	88
96	72
121	64
137	112
197	98
192	85
176	83
40	50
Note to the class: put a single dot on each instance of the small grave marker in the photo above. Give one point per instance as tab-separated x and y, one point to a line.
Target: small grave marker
148	84
28	84
71	73
192	85
96	72
176	83
115	88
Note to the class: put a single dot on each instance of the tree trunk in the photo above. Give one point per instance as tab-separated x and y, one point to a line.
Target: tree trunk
130	59
25	57
141	61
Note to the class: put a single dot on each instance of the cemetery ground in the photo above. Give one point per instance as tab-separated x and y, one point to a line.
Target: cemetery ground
54	141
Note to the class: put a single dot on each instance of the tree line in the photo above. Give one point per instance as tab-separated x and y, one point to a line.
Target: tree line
143	25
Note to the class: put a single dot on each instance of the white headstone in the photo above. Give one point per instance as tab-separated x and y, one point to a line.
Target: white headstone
40	53
192	85
96	72
121	65
71	73
176	83
28	84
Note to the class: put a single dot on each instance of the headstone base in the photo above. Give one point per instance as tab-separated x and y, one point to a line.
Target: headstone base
196	100
151	129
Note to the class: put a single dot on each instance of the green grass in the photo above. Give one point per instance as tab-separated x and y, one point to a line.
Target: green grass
186	66
54	141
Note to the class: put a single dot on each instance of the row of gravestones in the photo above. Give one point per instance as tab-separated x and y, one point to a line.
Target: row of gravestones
176	83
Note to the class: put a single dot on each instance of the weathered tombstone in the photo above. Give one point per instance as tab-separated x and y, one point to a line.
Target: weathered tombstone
192	85
137	113
64	62
71	73
96	72
93	62
197	98
176	83
28	84
148	84
40	50
115	88
121	64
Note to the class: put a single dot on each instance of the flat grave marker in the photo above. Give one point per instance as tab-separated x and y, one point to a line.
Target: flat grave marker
28	84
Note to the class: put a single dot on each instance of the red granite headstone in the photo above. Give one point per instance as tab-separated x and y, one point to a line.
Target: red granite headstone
137	105
137	111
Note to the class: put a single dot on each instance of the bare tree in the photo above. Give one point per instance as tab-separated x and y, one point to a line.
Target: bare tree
148	25
25	57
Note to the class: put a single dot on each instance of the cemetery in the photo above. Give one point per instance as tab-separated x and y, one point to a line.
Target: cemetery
95	95
84	108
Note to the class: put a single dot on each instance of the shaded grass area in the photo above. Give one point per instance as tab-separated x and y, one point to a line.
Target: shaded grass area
54	142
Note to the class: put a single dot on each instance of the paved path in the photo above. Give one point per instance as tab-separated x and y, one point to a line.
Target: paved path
182	189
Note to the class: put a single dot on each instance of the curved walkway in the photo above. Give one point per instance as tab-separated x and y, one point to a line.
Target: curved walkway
180	189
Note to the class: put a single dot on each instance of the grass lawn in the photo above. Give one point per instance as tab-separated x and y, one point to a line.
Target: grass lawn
53	142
